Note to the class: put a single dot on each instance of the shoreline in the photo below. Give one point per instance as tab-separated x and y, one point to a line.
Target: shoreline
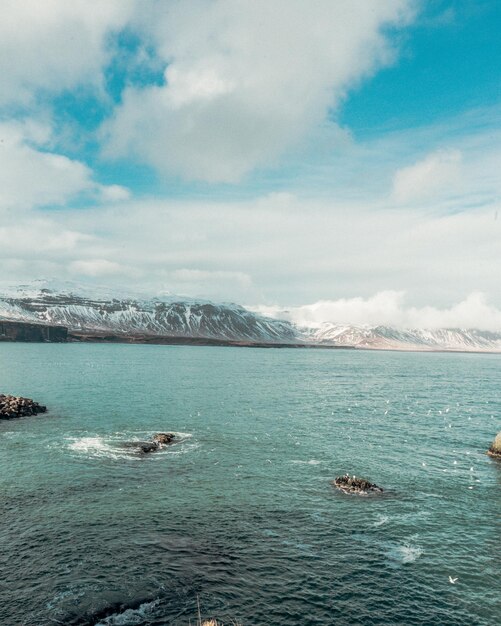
28	332
222	343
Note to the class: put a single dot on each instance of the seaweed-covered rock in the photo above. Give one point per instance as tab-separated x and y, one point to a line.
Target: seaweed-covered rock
14	406
495	449
352	484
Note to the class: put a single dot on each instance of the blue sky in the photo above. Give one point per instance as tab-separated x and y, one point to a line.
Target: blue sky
279	154
449	63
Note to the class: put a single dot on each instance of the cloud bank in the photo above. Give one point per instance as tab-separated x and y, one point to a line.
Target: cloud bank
388	308
273	249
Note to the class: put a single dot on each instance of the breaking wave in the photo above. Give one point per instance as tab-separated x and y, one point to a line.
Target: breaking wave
129	617
121	445
405	552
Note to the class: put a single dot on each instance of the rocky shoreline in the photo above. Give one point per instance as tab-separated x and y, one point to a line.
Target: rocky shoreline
12	407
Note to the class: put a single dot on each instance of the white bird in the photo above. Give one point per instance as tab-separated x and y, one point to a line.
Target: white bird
452	580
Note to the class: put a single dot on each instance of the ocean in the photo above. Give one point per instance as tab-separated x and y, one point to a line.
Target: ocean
239	517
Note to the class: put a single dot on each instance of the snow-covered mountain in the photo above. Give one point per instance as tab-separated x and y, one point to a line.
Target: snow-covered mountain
91	312
387	338
111	314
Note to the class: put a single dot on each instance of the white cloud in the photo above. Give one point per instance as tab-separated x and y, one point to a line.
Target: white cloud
96	267
388	308
32	176
204	283
383	308
245	81
114	193
55	44
31	237
199	276
46	48
436	174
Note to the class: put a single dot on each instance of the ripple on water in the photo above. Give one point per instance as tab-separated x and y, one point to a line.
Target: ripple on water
310	462
406	552
382	520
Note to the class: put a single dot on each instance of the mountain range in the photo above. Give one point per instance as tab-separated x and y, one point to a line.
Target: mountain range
103	315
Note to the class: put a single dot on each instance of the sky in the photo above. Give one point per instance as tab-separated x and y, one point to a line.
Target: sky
339	160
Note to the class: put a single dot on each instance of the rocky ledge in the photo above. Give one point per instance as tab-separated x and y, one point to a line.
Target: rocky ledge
13	406
495	449
352	484
158	441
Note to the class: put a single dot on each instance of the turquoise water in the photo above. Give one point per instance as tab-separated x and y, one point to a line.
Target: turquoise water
240	513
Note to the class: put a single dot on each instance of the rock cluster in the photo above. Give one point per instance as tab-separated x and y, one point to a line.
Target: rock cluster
12	406
159	440
495	449
352	484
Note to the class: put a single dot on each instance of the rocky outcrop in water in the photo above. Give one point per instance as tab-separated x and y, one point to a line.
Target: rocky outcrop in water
495	449
164	438
13	406
158	441
352	484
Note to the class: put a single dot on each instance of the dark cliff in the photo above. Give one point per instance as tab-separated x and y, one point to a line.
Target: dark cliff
22	331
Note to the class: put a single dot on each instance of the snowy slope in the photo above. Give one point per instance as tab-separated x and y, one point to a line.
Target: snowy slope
384	337
76	309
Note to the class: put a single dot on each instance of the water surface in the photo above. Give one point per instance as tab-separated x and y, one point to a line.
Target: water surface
241	513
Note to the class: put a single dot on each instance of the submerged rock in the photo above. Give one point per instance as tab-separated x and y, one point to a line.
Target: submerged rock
14	406
148	446
352	484
495	449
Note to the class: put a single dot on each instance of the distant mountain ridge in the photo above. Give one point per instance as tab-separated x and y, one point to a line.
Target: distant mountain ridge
109	315
388	338
165	317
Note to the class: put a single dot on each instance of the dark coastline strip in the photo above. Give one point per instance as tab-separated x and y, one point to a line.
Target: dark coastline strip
30	332
173	340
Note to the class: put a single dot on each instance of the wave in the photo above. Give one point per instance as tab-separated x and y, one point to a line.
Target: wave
383	519
405	552
121	445
310	462
129	617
